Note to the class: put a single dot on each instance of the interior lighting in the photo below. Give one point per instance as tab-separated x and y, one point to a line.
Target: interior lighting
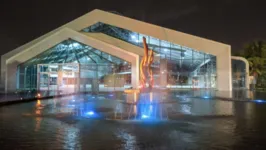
133	36
75	44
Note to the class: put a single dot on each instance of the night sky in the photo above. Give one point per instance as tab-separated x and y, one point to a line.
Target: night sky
233	22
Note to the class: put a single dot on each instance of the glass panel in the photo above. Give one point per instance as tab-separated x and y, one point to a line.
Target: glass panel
186	67
165	49
238	74
58	68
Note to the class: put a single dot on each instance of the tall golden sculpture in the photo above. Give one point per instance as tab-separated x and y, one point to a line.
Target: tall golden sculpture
146	76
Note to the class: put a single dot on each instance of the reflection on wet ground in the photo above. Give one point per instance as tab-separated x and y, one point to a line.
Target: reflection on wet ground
157	121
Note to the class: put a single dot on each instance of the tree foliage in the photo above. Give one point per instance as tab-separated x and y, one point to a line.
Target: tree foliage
256	65
255	53
255	49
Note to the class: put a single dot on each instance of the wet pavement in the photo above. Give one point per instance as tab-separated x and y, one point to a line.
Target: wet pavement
103	122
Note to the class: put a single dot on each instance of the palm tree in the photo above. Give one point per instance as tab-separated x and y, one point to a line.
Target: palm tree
256	66
255	53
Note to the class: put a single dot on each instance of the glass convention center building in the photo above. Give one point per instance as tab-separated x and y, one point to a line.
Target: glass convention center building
101	51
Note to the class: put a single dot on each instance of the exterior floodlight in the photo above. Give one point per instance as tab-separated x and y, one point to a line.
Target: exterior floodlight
38	95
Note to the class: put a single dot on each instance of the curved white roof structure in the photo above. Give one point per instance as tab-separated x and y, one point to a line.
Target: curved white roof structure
116	47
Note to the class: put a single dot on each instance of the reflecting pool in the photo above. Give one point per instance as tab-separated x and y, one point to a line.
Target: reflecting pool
113	121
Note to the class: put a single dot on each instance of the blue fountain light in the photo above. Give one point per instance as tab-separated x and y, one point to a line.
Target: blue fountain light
73	100
90	113
260	101
144	117
206	97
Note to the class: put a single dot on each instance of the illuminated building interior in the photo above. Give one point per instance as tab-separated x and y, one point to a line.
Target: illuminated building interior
97	53
71	66
185	67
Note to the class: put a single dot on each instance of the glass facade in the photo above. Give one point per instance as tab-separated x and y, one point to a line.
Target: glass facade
184	67
71	65
238	74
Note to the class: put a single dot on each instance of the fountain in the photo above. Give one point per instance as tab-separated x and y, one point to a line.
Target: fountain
145	105
142	104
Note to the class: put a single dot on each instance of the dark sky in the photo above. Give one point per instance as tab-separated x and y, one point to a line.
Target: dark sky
233	22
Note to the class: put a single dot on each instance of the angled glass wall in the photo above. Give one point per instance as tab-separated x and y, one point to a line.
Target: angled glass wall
70	66
181	66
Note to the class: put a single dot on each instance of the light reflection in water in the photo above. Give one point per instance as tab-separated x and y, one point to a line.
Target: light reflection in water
71	137
127	138
67	136
223	107
149	105
38	103
60	135
38	123
38	112
185	108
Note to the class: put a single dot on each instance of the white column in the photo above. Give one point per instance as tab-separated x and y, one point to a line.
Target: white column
10	83
224	75
135	73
